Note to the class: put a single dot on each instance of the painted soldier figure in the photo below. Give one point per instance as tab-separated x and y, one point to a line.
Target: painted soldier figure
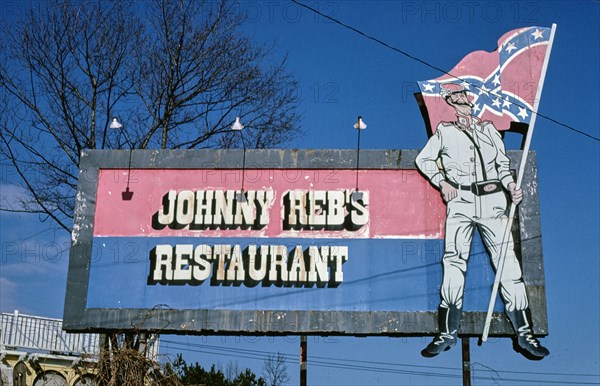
467	162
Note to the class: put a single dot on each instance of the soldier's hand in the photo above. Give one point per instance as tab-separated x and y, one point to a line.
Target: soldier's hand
515	194
449	192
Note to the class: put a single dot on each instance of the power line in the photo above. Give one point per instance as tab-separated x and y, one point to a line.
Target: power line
343	364
321	362
372	366
425	63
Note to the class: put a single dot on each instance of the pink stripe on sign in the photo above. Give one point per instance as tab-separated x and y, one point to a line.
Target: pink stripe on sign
401	204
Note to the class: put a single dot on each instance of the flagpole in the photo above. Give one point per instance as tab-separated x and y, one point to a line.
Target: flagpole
511	215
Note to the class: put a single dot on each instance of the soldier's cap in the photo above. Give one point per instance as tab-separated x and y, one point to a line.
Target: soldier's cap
448	89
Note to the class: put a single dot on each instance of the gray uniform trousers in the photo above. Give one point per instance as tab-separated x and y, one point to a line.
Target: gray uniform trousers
488	214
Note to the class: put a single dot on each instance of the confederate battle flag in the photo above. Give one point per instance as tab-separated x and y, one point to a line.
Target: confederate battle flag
501	84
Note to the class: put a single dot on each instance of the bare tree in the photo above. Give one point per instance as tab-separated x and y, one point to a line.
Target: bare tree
232	369
275	370
62	71
177	77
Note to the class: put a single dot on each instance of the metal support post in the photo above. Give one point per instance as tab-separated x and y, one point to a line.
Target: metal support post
303	360
466	361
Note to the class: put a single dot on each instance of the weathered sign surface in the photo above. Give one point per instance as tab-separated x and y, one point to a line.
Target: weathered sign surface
310	246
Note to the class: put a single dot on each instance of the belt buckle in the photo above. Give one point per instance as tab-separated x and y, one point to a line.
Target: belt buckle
490	188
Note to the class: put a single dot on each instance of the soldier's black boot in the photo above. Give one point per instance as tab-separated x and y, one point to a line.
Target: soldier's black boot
448	322
525	340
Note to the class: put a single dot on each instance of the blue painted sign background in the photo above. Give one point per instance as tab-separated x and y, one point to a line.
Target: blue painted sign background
379	275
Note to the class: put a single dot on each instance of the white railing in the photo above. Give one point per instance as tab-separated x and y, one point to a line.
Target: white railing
36	333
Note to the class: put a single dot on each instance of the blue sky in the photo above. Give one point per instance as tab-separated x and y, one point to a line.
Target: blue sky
342	75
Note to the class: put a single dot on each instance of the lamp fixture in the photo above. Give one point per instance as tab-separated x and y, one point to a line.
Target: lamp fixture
115	124
360	125
237	126
126	195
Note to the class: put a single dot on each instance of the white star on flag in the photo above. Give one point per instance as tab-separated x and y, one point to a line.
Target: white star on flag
496	80
496	103
537	34
522	113
483	90
428	87
510	47
506	103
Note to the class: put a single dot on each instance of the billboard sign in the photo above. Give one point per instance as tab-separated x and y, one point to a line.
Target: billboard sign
309	245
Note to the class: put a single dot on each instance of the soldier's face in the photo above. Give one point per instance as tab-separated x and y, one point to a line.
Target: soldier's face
461	103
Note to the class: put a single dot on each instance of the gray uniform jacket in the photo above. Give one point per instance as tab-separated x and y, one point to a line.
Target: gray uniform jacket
459	159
